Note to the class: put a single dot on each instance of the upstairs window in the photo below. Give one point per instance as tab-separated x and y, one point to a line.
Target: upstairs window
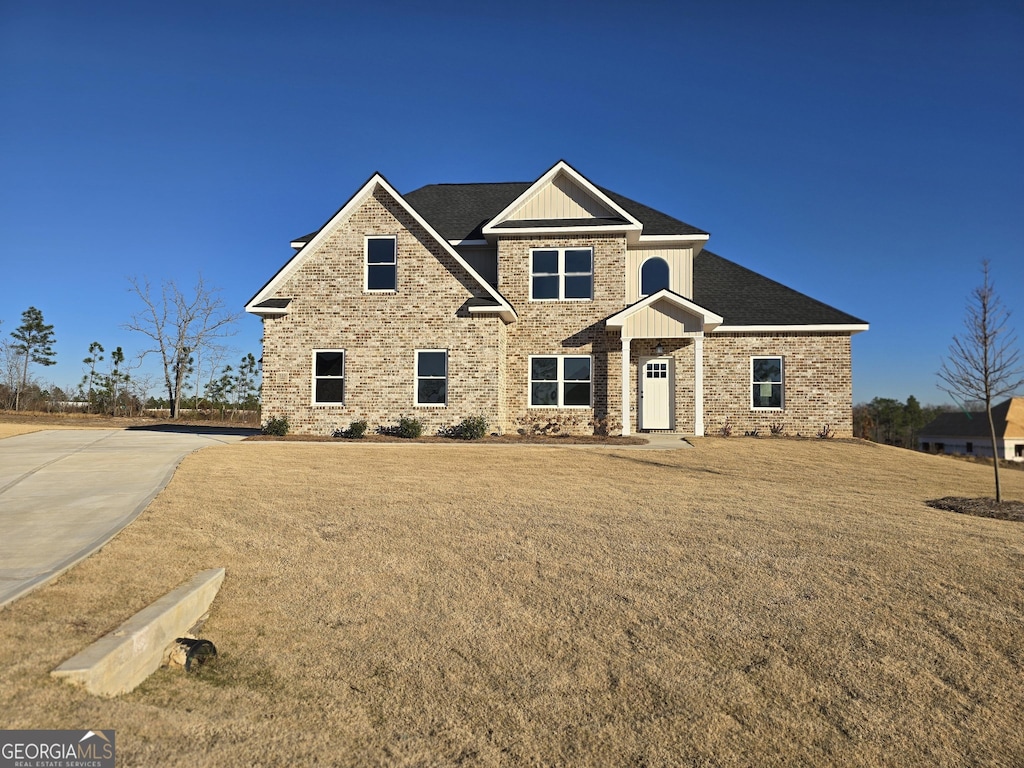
382	263
653	276
560	381
766	377
431	377
329	377
561	274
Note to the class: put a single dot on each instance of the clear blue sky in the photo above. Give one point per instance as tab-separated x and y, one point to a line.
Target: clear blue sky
869	154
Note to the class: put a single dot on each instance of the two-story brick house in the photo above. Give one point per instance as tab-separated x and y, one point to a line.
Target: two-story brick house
532	302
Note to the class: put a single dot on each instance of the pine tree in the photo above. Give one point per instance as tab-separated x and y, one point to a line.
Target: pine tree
34	340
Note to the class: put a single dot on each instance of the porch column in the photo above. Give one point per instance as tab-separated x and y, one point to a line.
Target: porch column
625	385
698	385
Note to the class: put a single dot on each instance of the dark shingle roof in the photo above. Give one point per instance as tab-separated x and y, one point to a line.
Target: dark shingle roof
459	211
743	297
959	424
655	222
274	304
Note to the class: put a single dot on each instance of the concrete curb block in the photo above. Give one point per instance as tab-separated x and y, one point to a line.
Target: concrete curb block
120	660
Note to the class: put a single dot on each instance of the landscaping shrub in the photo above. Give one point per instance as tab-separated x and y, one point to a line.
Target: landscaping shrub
470	428
410	427
356	430
276	427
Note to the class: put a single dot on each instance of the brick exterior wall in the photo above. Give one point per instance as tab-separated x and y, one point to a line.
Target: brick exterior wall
564	328
682	353
818	387
488	361
381	331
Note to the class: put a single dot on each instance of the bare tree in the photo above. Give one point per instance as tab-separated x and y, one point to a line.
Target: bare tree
179	326
984	364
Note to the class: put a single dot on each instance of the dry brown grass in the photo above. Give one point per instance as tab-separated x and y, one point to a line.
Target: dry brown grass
749	602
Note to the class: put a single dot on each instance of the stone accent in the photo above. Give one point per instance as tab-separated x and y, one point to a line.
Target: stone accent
817	388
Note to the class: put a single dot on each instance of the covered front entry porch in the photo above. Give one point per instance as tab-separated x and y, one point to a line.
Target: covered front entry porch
662	324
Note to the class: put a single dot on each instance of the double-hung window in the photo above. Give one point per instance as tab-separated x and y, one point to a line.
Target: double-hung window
381	263
329	376
560	381
561	274
431	377
766	381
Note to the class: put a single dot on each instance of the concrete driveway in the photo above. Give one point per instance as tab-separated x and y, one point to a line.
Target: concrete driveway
66	493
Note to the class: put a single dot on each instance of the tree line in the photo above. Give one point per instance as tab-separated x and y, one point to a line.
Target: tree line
886	420
183	329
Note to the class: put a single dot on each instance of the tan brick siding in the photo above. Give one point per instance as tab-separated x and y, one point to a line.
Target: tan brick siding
817	382
380	331
488	360
563	328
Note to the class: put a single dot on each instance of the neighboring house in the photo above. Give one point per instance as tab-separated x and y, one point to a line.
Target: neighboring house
537	303
968	433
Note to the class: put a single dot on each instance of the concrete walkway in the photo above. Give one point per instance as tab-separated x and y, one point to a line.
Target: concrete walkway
66	493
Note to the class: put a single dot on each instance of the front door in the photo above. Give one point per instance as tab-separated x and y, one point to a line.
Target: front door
656	393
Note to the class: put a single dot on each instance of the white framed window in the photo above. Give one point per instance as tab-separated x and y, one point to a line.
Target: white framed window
381	263
328	376
561	274
766	378
654	275
560	381
432	377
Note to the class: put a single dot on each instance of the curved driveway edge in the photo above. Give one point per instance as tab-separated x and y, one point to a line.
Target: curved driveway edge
66	493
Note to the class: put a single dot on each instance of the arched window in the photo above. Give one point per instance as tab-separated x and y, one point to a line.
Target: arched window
653	276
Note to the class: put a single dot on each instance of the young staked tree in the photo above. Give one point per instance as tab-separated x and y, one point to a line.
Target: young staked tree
984	363
179	326
33	341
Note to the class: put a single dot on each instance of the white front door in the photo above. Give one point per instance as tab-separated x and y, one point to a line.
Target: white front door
656	393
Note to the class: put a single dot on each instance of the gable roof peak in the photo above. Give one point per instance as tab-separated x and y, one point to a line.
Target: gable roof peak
547	206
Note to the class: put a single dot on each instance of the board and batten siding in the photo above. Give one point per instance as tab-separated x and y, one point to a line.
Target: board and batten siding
680	270
561	199
661	320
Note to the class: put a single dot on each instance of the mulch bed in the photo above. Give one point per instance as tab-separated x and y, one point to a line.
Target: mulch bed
516	439
983	507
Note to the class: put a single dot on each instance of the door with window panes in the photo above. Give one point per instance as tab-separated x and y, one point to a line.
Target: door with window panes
656	393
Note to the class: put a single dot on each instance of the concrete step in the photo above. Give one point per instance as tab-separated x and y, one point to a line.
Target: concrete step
120	660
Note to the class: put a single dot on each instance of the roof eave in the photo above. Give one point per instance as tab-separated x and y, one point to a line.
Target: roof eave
851	328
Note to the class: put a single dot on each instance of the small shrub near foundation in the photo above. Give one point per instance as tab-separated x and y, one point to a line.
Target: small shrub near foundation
825	432
276	427
777	428
410	427
470	428
726	430
354	432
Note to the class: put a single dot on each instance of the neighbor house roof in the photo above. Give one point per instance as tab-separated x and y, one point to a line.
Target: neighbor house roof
1007	416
